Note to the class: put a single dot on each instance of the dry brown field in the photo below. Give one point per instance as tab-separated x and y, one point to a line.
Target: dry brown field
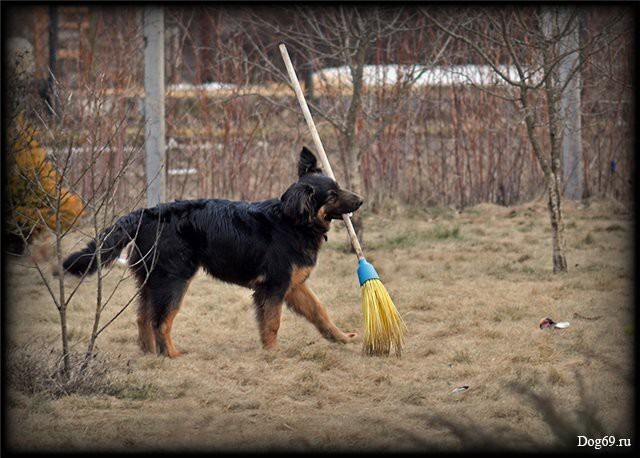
472	287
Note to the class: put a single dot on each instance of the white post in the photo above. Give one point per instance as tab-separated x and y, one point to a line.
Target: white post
570	109
154	103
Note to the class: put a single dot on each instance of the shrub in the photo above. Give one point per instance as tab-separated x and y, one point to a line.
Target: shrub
37	199
33	369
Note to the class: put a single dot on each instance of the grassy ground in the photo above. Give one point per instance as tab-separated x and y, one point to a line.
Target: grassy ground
471	286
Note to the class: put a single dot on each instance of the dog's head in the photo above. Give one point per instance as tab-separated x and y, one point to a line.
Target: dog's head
315	198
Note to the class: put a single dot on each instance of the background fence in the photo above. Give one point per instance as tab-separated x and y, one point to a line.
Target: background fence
234	128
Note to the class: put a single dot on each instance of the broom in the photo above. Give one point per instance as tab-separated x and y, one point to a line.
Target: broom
383	326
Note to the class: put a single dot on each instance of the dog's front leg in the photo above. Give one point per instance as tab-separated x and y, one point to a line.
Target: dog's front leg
268	314
304	302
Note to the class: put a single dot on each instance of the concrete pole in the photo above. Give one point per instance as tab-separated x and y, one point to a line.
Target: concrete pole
571	109
154	104
53	57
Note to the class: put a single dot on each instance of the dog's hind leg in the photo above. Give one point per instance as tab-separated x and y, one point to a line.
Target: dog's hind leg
165	302
163	335
146	337
303	301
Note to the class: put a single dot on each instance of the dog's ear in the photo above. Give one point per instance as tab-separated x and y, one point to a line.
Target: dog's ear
308	163
297	203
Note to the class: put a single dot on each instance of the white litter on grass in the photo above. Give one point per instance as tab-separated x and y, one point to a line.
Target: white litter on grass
460	389
548	323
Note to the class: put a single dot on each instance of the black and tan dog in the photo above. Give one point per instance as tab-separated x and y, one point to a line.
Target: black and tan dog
269	246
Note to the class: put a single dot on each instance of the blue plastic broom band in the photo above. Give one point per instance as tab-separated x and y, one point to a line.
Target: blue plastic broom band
366	271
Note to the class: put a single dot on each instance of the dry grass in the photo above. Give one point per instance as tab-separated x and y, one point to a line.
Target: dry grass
471	287
34	368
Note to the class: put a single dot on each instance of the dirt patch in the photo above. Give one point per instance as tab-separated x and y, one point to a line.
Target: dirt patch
471	286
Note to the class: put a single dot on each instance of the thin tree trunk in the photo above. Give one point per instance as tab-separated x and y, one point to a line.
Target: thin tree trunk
553	176
552	179
557	223
62	305
354	162
98	309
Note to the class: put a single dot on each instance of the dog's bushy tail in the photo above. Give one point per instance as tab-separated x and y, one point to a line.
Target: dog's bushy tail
112	240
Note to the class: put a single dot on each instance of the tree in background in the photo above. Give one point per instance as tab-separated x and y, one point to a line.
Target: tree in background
351	37
52	159
424	139
425	135
535	41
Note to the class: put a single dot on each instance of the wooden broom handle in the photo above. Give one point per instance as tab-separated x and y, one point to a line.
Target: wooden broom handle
316	140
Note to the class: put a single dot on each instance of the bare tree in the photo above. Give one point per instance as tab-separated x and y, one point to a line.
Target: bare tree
53	211
345	37
535	42
67	171
425	135
423	138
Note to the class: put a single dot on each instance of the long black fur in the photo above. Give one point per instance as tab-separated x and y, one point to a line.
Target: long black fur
112	241
257	244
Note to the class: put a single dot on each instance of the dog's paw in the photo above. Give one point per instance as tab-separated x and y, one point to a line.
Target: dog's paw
270	346
349	337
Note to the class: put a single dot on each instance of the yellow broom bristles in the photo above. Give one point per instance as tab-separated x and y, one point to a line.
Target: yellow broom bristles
383	325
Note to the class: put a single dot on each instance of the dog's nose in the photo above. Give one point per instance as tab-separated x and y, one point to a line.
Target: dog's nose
359	202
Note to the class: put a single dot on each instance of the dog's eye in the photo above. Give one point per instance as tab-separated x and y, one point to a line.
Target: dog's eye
332	196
